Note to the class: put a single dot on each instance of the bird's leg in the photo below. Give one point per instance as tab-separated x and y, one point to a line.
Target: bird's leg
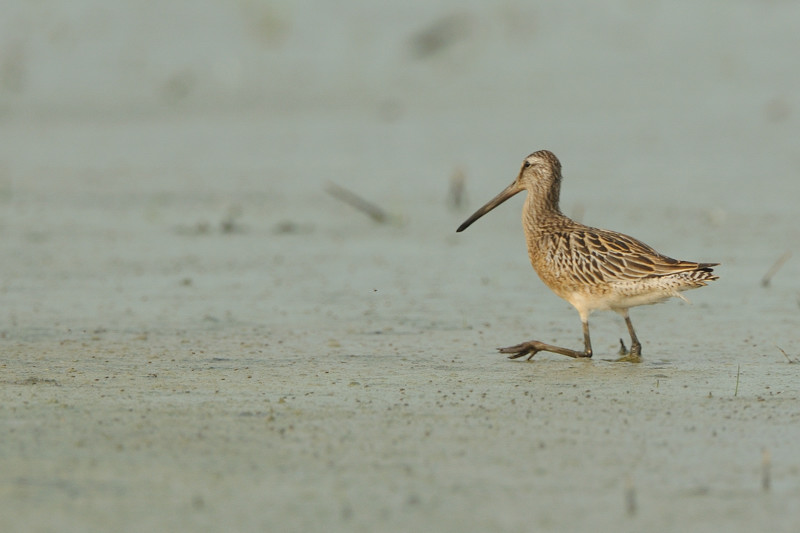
636	346
531	348
635	353
587	341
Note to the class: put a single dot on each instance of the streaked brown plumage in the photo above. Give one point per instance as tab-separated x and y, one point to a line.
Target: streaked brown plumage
591	268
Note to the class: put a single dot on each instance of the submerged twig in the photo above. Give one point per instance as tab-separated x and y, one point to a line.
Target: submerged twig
630	496
786	355
457	188
765	281
766	466
736	390
353	200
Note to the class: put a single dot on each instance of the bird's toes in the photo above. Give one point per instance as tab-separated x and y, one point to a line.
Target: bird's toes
622	349
520	350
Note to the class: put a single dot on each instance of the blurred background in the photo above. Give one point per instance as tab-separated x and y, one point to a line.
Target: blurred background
124	122
697	100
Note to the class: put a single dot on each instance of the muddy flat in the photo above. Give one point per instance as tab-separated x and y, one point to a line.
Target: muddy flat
196	335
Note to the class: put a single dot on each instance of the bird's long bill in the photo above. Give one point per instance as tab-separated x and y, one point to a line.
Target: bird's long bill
509	191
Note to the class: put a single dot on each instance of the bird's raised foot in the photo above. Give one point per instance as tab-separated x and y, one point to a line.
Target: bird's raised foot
521	350
531	348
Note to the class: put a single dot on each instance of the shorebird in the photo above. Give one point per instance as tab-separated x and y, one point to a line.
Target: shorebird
592	269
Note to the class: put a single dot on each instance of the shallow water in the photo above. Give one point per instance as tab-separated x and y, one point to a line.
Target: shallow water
197	336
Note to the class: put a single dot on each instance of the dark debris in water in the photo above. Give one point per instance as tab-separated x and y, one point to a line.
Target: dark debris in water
439	35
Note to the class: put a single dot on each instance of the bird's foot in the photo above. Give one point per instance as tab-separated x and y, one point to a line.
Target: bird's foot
622	349
521	350
531	348
634	355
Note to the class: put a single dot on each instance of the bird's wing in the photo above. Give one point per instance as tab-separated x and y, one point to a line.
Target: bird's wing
607	256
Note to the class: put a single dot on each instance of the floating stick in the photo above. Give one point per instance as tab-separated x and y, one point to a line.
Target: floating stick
352	199
765	281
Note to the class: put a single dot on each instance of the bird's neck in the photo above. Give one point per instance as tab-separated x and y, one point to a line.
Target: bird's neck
541	205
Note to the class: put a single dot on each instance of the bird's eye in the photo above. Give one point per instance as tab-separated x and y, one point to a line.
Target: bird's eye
527	164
